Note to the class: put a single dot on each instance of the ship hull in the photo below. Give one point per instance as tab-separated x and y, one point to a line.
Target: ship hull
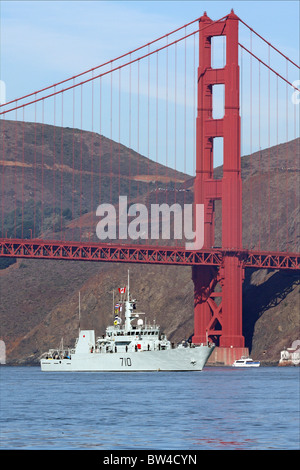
179	359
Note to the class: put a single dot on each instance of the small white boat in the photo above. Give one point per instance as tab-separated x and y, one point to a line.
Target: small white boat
246	362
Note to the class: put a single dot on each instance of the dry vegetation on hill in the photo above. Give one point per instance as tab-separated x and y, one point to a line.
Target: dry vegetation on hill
39	298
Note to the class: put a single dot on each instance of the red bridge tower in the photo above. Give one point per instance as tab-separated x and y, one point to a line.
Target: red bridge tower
218	315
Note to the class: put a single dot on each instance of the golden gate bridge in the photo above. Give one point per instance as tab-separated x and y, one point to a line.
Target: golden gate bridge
88	137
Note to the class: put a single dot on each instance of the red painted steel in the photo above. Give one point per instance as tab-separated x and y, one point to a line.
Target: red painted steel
222	320
47	249
144	254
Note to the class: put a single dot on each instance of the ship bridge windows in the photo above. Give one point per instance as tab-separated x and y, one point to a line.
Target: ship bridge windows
150	332
137	332
122	343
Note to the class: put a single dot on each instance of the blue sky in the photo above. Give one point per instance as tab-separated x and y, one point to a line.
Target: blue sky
47	41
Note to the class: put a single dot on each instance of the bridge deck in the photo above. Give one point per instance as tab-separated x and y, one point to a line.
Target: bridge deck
48	249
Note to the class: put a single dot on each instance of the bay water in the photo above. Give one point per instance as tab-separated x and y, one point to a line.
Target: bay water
220	408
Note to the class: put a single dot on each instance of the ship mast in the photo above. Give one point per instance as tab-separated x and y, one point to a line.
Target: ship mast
128	308
128	287
79	313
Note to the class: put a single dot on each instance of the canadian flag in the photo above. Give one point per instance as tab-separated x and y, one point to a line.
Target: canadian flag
122	290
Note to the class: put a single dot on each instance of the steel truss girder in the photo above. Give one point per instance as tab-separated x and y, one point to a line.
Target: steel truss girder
78	251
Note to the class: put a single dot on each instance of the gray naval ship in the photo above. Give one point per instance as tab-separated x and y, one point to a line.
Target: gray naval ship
134	346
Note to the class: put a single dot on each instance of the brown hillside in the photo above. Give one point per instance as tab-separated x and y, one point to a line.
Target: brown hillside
39	299
75	159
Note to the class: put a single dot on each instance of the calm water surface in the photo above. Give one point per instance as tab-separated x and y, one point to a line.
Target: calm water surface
218	408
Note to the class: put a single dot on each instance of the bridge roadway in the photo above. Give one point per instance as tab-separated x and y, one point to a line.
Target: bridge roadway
169	255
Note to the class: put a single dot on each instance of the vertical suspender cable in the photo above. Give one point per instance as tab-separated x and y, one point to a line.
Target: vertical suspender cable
42	202
175	123
138	129
62	164
16	133
80	173
259	162
295	183
156	140
148	132
101	140
34	173
251	167
54	163
73	173
119	147
184	118
129	120
3	166
277	170
167	111
92	157
23	131
269	144
111	150
287	164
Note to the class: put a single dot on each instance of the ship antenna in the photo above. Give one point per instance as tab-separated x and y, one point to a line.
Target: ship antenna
79	312
128	287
